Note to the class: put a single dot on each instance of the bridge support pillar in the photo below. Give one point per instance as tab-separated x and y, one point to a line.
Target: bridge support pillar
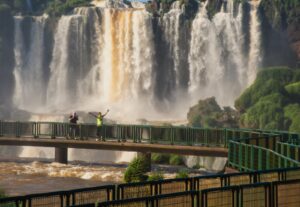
61	155
146	156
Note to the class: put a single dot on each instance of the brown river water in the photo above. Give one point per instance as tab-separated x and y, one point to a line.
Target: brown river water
25	176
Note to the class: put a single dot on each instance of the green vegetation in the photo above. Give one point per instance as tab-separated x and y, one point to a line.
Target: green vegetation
207	113
51	7
198	166
176	160
171	159
159	158
2	194
292	117
155	176
293	90
282	12
182	174
272	101
136	171
159	7
57	8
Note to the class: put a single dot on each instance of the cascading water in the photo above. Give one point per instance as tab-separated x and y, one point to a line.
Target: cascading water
171	31
29	4
109	57
133	63
217	66
29	73
255	42
63	76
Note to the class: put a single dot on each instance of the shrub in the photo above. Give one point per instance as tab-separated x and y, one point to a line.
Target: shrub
265	114
293	89
156	176
136	171
57	8
176	160
2	194
268	81
159	158
182	174
272	101
292	113
207	113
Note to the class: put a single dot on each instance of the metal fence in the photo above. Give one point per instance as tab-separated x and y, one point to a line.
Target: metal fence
247	157
179	135
62	198
150	188
266	194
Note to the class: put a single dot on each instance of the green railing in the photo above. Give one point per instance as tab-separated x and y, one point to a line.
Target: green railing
289	150
247	157
121	133
248	149
149	189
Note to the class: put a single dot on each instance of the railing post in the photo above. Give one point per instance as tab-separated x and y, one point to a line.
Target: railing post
68	199
259	159
1	128
17	126
225	137
240	157
53	131
150	129
247	156
122	129
268	160
34	130
140	134
172	135
205	137
252	158
80	131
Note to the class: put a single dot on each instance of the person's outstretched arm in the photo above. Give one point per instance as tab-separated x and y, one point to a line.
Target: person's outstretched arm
106	113
93	114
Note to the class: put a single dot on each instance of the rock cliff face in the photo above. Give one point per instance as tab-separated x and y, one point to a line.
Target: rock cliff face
6	56
293	32
281	21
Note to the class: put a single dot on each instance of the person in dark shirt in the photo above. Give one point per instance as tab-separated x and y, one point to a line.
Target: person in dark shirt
73	118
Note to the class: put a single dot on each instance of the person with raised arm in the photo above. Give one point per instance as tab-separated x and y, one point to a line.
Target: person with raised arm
99	121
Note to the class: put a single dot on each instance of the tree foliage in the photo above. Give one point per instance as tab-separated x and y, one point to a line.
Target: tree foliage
176	160
282	12
272	101
160	158
182	174
52	7
207	113
136	171
156	176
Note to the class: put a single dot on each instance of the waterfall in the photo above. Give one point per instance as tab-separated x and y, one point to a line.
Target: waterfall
58	92
133	63
128	60
120	65
29	4
171	28
255	54
28	71
217	62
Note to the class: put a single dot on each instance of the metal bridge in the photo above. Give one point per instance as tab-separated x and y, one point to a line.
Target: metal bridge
246	149
270	161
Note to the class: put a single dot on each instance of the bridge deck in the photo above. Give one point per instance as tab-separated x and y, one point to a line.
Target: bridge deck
115	145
